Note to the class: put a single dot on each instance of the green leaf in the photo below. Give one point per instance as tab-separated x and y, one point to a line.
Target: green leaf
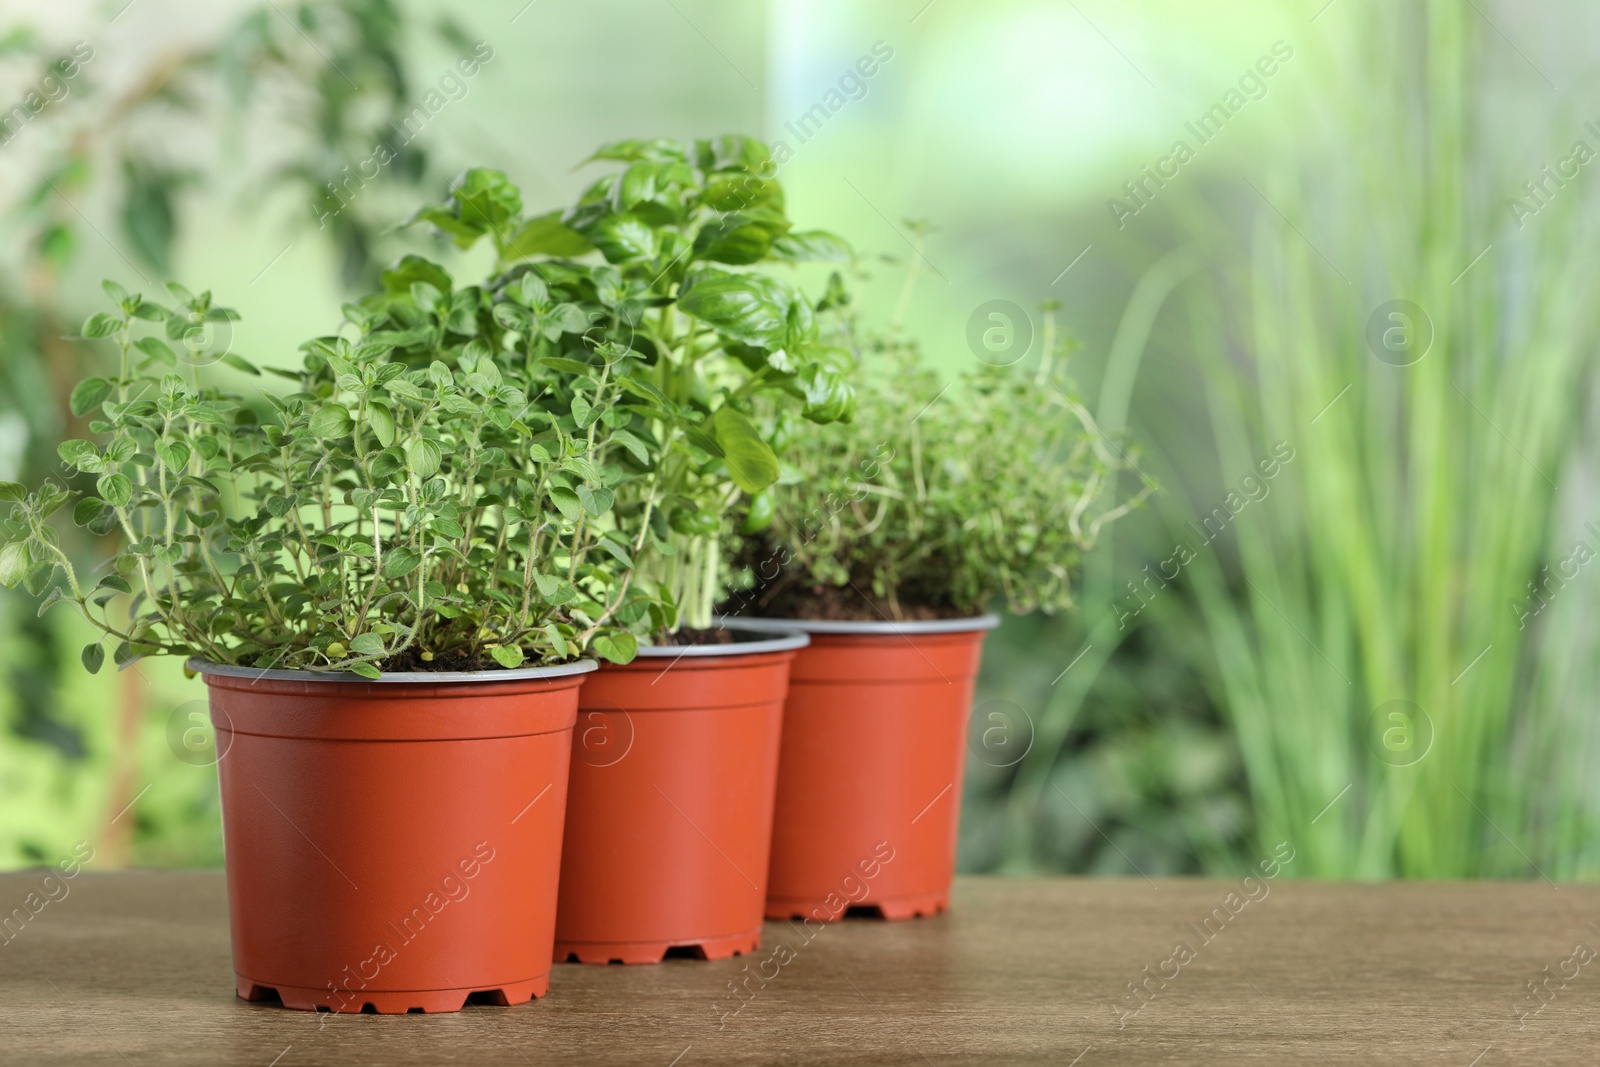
567	502
399	562
331	421
623	238
14	564
88	395
732	152
817	246
546	235
425	458
367	644
751	461
620	647
173	455
634	446
744	237
116	292
94	656
15	491
147	213
581	411
94	513
829	396
382	423
486	198
595	501
760	515
508	656
746	307
742	192
101	324
158	350
240	363
115	489
658	150
366	670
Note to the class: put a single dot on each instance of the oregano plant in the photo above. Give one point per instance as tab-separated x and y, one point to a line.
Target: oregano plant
430	491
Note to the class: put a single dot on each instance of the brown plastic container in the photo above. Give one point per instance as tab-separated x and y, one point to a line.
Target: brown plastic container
392	845
869	777
669	812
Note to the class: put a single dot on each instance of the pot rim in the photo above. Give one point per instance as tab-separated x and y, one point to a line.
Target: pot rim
907	627
229	670
781	639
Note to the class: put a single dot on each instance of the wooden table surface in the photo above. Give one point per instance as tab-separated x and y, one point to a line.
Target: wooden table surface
132	968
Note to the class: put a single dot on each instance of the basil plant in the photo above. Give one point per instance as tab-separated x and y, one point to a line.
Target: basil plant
674	259
430	490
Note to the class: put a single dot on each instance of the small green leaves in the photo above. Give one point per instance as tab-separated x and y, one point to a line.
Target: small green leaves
13	491
332	421
595	501
367	644
382	423
14	564
88	395
115	489
399	562
366	670
508	656
567	502
620	647
425	458
101	324
94	656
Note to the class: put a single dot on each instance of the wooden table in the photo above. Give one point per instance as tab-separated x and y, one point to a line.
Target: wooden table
133	968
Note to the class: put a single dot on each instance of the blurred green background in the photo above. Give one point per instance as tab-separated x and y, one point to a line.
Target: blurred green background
1346	243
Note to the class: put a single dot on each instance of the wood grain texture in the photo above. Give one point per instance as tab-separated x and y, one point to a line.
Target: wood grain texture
133	968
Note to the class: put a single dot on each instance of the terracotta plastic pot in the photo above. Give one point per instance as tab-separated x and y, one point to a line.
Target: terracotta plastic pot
392	845
869	777
669	812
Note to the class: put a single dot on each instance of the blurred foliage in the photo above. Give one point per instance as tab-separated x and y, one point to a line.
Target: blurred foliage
1215	719
327	79
1148	780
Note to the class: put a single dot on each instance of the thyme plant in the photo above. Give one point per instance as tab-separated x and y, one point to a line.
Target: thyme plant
938	500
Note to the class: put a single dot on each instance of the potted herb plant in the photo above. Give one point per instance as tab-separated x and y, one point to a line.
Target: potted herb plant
674	255
387	573
888	546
